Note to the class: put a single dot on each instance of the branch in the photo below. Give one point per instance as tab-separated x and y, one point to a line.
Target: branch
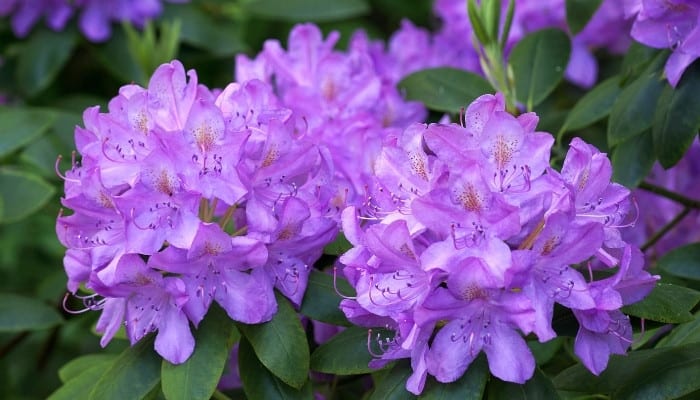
678	198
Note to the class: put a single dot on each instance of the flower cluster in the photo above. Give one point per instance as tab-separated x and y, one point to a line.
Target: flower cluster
95	18
183	198
468	237
668	24
414	48
345	101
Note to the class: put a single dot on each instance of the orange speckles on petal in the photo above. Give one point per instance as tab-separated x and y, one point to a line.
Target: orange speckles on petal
471	199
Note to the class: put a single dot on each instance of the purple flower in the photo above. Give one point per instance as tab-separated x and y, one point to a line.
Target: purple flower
669	24
183	198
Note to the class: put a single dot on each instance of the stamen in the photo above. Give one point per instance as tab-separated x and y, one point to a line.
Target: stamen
335	285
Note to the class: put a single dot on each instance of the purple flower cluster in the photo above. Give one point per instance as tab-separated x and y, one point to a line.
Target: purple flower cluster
345	101
95	18
668	24
679	179
182	198
467	239
452	46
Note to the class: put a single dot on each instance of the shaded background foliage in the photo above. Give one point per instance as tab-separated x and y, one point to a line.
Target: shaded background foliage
48	78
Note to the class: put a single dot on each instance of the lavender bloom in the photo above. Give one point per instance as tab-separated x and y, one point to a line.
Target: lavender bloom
467	229
96	16
182	198
669	24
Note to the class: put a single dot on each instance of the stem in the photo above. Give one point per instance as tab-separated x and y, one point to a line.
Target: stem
17	339
661	232
678	198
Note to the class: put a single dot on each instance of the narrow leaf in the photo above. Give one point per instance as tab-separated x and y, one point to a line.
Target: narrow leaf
579	12
308	10
79	365
197	377
677	118
204	30
281	344
666	303
444	89
593	106
683	262
345	354
259	383
633	159
538	63
42	57
685	333
19	313
633	111
22	194
321	301
134	373
21	126
80	386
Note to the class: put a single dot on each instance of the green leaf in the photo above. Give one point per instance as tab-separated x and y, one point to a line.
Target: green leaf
636	60
42	153
19	313
592	107
79	365
683	262
633	159
579	12
42	57
345	354
666	303
663	373
22	194
134	373
444	89
544	352
259	383
220	36
281	344
469	387
688	332
538	387
538	63
80	386
338	246
115	56
321	302
308	10
21	126
633	111
677	118
393	384
197	377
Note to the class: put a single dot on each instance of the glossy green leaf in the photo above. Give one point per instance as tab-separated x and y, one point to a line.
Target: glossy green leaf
682	261
392	386
538	63
19	313
21	126
444	89
538	387
205	30
134	373
114	55
579	12
81	385
281	344
633	111
197	377
345	354
685	333
666	303
633	159
42	57
663	373
81	364
338	246
42	153
321	301
592	107
307	10
677	118
635	61
469	387
259	383
544	352
22	194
